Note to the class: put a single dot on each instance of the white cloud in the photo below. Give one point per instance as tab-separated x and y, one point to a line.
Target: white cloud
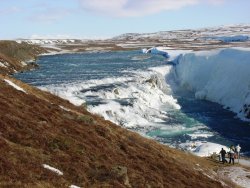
49	15
133	8
9	10
216	2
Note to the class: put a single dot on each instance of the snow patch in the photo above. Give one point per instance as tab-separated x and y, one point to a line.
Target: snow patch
207	149
60	173
220	76
49	41
238	175
23	63
203	149
74	186
167	52
64	108
237	38
4	64
154	50
14	85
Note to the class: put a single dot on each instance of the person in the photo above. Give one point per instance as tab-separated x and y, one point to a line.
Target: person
231	156
232	148
238	148
223	155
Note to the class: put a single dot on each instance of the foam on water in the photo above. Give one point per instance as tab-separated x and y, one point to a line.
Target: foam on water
137	92
140	97
142	101
72	90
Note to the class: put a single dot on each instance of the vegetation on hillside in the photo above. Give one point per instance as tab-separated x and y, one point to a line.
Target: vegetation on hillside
16	55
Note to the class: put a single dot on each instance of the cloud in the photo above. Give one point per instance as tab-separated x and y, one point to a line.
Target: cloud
134	8
49	15
9	10
216	2
49	11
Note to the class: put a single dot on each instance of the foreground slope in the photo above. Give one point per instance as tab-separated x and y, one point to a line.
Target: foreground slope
38	128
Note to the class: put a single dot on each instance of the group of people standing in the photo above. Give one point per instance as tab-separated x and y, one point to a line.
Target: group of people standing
234	153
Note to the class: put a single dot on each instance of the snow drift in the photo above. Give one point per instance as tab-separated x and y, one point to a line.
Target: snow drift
157	51
221	76
237	38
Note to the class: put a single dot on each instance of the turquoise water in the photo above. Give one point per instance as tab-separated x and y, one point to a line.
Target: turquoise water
116	85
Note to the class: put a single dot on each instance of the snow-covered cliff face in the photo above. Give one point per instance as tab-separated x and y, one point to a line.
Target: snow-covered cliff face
221	76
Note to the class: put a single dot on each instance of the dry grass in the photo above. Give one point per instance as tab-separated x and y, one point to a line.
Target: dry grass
35	130
14	53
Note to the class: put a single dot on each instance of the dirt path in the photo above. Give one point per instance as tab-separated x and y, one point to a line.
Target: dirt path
238	173
244	162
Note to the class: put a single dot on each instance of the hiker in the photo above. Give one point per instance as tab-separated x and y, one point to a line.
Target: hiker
223	155
238	148
232	148
231	156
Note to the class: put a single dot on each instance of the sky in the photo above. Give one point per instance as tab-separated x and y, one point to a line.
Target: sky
107	18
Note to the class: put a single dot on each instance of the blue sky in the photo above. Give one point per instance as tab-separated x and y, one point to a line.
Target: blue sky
107	18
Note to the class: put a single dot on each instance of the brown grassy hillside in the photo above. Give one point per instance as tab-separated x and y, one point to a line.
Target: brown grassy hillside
12	54
38	128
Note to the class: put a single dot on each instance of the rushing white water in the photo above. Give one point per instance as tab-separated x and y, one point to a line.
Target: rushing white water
143	93
135	101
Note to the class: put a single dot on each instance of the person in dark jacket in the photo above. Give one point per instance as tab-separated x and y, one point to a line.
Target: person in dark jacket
231	156
223	155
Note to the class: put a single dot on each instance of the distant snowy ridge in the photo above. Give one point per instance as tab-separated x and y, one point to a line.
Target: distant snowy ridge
190	34
212	33
49	41
221	76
